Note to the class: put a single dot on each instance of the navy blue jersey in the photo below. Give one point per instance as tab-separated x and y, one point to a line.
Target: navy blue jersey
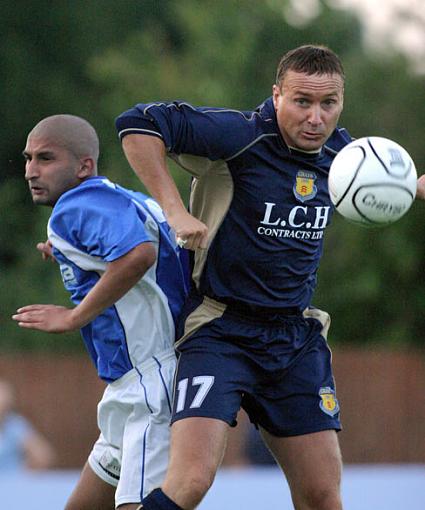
266	205
98	222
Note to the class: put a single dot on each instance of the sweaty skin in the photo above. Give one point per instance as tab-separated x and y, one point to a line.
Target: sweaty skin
308	108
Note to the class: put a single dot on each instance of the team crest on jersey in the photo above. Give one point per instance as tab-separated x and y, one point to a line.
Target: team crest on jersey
328	402
304	187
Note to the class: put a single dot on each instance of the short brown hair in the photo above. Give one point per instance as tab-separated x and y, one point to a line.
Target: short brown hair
309	59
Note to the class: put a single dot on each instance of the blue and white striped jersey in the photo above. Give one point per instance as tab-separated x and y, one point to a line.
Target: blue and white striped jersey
95	223
266	205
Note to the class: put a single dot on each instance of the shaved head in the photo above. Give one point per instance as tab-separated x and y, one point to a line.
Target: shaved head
61	152
71	132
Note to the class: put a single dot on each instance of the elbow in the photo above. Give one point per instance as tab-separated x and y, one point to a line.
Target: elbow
150	255
145	258
131	267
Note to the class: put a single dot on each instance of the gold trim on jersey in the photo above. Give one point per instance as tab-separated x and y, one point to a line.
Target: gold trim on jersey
323	317
210	198
211	309
206	312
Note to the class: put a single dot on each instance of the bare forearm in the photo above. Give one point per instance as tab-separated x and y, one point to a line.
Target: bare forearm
147	157
107	292
119	277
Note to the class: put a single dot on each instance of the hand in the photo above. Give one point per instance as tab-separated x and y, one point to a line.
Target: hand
420	192
46	250
49	318
191	232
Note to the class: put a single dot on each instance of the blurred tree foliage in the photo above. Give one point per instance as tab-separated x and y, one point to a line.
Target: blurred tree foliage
98	58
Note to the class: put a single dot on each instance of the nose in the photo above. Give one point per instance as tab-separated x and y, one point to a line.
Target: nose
315	115
31	169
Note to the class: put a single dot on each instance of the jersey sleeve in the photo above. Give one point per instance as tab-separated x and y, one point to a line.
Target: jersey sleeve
99	221
339	139
214	133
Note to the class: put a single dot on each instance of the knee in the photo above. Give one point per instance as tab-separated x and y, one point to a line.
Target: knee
189	486
319	498
197	481
70	506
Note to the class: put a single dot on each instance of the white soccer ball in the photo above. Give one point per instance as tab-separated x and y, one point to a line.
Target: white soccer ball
372	181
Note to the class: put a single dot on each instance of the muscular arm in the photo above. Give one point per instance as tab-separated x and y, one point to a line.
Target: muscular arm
120	276
147	156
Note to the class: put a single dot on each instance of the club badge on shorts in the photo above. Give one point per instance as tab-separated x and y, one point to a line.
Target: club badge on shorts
304	187
328	402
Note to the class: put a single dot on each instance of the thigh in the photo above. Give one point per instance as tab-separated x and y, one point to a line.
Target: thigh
91	493
146	434
311	462
105	457
196	451
210	379
112	413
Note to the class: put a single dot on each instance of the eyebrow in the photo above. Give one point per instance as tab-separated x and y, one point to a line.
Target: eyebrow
309	93
41	153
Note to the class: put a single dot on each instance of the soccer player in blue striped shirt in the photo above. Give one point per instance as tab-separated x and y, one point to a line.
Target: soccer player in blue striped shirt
126	275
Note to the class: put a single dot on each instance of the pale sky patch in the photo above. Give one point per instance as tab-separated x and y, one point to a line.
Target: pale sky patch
390	25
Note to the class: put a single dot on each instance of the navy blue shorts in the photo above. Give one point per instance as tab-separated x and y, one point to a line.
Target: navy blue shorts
278	370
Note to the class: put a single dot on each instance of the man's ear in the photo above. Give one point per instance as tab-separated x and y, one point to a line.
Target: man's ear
276	94
87	168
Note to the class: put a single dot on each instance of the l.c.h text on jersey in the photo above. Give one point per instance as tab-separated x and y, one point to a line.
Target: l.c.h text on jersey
302	222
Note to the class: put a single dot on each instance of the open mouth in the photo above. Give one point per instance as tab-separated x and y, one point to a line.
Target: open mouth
37	190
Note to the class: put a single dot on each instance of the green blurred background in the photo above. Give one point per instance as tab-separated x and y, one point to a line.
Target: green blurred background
96	58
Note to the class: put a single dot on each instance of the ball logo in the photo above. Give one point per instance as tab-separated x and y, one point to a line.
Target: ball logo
373	203
396	159
304	187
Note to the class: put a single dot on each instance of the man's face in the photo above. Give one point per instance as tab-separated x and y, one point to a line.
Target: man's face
308	108
50	170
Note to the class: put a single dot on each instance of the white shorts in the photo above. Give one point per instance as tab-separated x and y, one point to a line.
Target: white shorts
134	419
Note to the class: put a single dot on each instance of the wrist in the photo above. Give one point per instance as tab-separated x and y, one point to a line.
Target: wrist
75	321
174	209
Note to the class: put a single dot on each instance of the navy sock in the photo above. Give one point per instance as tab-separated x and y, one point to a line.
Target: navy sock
157	500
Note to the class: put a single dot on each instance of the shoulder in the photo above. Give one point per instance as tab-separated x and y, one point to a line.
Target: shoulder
99	218
211	132
95	194
339	139
94	205
178	112
144	203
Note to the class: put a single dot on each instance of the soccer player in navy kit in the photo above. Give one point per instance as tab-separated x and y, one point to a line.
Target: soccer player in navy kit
124	270
259	208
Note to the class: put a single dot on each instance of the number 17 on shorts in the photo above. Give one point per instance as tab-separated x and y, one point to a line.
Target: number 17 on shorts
187	398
